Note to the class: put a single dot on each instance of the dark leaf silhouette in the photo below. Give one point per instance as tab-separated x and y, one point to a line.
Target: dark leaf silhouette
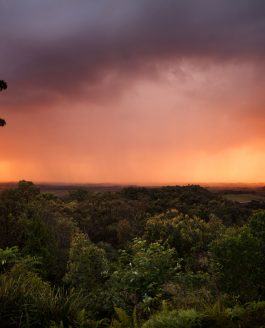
3	86
2	122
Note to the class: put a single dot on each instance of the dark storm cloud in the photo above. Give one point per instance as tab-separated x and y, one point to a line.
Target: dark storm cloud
60	50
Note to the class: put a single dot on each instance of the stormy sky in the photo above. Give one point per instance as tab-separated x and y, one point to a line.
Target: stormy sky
146	92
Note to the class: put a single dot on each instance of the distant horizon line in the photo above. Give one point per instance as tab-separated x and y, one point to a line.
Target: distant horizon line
137	184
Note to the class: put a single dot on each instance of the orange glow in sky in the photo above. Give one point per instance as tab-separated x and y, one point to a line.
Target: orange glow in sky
99	100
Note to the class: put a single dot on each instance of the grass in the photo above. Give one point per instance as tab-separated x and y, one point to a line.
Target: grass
245	198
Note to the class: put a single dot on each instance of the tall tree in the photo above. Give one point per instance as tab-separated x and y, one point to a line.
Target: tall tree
3	86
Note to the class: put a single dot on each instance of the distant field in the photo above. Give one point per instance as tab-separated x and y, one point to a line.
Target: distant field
245	198
237	193
63	189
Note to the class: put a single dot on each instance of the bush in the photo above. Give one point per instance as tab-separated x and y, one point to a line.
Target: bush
26	300
216	316
175	319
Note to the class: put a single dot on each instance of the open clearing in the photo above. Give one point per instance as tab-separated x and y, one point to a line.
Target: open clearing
245	198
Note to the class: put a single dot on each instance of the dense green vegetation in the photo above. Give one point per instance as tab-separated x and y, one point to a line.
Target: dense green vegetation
137	257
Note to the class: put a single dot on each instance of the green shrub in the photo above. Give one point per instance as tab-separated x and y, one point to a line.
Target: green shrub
216	316
253	315
175	319
26	300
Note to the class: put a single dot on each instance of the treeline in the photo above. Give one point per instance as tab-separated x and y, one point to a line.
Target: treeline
138	257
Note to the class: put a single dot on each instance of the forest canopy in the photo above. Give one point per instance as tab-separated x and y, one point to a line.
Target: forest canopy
136	257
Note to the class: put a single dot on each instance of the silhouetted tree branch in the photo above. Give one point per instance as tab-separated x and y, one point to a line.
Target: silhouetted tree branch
3	86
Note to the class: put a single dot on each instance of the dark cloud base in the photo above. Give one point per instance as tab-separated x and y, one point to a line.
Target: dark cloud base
54	52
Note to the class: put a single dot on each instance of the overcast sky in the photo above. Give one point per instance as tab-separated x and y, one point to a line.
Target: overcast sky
147	92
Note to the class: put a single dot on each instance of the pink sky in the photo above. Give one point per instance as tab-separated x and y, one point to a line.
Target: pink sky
135	114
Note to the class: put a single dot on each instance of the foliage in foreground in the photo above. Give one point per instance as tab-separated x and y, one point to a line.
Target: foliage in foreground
251	316
26	300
